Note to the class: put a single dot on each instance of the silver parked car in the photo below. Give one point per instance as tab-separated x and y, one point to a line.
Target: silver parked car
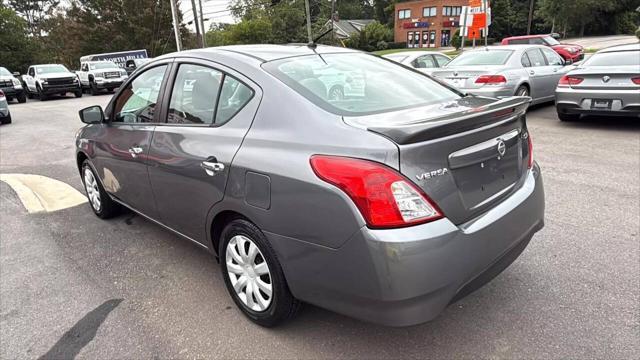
425	61
386	206
607	83
500	71
5	114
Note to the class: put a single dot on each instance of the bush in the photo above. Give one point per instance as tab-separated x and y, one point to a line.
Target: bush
371	37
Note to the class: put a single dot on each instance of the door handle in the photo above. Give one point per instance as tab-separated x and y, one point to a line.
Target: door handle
135	151
211	166
531	72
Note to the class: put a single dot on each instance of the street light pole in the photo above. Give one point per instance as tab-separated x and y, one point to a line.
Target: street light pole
204	31
530	17
308	9
176	29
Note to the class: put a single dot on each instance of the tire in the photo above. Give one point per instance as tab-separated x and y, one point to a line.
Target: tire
41	95
280	305
29	94
22	98
522	90
78	93
568	117
336	93
93	89
104	208
6	120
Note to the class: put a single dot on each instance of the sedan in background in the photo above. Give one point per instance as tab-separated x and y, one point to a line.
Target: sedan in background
569	52
5	115
608	83
425	61
502	71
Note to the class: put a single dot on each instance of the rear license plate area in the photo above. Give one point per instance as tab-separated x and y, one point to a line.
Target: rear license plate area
601	104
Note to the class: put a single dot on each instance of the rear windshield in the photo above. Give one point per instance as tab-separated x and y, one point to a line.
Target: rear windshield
358	84
491	57
620	58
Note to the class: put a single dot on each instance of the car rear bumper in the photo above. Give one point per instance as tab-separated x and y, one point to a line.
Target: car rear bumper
407	276
578	101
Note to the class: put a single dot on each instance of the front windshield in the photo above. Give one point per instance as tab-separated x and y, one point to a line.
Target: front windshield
621	58
4	72
482	57
103	65
50	69
551	41
357	84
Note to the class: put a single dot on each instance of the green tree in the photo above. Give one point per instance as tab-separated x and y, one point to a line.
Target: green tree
374	36
16	48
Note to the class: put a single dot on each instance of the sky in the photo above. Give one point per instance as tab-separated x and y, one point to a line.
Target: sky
214	10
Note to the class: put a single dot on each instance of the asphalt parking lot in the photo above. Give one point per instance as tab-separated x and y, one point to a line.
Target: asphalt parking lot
71	284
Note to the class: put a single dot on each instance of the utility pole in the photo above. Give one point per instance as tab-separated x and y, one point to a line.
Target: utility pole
204	30
196	21
333	16
176	26
307	8
530	17
463	27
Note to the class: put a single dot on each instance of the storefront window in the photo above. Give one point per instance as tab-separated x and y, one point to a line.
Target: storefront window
404	14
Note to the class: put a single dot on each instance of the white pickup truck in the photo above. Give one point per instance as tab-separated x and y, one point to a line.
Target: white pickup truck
48	79
101	75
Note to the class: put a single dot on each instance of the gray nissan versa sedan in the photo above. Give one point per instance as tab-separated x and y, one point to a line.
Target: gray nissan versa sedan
385	205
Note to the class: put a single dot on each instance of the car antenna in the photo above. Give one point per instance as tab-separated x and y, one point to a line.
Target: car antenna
313	44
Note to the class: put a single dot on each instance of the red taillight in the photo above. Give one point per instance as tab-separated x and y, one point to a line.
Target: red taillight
530	164
491	79
569	80
385	198
636	80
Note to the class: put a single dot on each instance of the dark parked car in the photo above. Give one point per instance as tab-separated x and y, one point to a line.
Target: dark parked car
386	206
5	115
569	52
11	86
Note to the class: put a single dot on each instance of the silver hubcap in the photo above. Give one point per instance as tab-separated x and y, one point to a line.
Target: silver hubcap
249	273
523	92
91	185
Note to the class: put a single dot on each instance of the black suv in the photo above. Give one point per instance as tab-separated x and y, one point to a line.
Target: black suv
11	86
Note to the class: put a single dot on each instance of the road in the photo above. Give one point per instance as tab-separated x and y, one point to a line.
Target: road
71	284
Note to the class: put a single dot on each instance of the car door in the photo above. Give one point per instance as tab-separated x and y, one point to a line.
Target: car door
83	74
539	74
557	66
30	79
209	110
122	149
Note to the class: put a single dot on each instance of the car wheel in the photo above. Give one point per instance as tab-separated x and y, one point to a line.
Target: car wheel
6	120
99	200
78	93
522	91
568	117
29	94
336	93
253	275
93	89
22	98
41	95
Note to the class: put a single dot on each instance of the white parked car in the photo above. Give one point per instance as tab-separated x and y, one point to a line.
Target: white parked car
425	61
101	75
48	79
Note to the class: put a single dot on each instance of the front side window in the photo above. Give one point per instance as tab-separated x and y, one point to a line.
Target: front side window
552	57
371	84
424	62
194	95
442	60
404	14
429	11
137	102
536	58
494	57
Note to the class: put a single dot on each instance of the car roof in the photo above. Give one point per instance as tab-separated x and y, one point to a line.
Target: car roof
625	47
269	52
526	36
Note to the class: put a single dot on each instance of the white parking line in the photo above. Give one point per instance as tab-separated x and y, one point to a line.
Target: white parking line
43	194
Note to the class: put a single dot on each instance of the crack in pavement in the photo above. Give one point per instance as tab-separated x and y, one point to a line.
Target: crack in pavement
81	334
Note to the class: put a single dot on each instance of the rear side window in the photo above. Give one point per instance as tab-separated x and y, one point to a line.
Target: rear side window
423	62
194	95
536	58
234	96
525	61
442	60
357	84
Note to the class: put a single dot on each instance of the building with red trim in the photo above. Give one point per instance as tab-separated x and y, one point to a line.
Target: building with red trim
427	23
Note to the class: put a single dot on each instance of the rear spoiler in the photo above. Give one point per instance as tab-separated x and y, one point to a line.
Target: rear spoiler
433	128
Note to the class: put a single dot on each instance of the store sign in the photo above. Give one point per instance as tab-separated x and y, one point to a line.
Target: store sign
413	25
450	24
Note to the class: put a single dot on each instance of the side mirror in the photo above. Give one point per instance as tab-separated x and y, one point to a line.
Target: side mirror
92	115
16	74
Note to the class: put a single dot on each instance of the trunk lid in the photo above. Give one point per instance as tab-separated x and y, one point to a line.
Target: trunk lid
464	77
467	155
617	78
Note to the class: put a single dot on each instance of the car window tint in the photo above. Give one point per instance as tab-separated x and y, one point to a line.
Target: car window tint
425	61
518	41
493	57
552	57
525	60
442	60
536	41
194	95
234	96
536	58
618	58
137	101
